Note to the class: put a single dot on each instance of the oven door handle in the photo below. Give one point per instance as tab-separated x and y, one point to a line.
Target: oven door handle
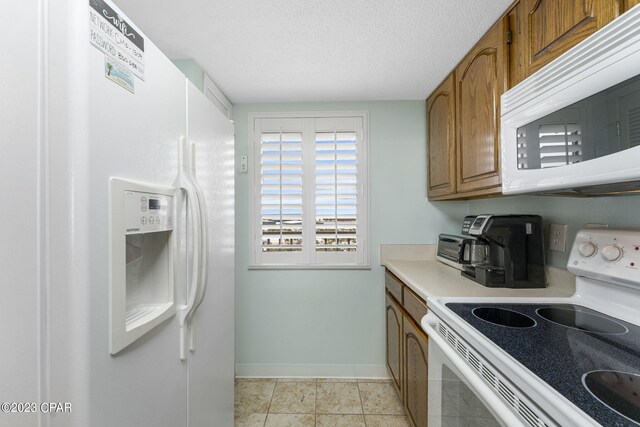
486	394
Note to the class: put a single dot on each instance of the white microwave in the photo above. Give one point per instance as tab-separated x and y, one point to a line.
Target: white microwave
574	126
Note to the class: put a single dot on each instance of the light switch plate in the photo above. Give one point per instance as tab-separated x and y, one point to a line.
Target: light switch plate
558	237
243	164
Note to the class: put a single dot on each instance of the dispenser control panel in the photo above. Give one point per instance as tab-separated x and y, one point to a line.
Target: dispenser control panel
147	212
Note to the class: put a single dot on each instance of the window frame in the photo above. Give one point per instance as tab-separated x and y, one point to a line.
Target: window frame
308	258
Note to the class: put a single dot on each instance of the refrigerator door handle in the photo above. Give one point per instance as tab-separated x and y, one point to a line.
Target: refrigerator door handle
185	312
204	242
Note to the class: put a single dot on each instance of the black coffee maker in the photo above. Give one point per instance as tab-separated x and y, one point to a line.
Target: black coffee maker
514	251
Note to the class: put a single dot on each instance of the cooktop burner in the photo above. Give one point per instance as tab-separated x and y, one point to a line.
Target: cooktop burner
572	318
618	390
570	347
503	317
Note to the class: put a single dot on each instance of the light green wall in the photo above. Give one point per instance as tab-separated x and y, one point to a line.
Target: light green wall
618	212
192	70
337	317
334	318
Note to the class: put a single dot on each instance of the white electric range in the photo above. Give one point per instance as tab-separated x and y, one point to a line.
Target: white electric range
544	361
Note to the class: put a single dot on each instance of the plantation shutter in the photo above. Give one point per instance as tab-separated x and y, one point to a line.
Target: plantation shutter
336	203
280	190
308	182
338	188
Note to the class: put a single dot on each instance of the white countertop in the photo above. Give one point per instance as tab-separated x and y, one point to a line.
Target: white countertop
434	279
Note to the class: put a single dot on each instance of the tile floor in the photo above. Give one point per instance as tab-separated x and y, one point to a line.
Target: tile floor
271	402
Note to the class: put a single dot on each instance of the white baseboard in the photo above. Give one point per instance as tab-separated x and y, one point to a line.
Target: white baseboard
304	370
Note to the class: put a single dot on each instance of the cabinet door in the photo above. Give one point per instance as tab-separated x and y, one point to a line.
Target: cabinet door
416	373
514	52
394	342
480	80
628	4
441	147
552	27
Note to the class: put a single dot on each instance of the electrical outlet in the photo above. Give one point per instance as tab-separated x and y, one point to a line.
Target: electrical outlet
558	237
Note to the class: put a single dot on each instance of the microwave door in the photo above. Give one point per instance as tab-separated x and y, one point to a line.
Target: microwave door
624	116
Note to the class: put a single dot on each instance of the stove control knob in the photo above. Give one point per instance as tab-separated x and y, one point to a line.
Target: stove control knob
587	249
611	253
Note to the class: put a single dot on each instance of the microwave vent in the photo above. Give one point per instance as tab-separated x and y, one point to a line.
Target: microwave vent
522	149
631	188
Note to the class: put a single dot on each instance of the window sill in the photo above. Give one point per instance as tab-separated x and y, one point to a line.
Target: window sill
310	267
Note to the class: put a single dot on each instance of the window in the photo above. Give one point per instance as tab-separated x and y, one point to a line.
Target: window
309	205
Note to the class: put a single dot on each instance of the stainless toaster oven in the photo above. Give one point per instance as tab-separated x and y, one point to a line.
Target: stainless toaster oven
449	250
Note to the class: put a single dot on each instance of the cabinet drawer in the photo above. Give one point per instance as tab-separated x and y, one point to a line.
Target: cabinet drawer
414	305
394	285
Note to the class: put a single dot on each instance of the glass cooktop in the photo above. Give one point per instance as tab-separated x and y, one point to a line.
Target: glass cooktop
590	358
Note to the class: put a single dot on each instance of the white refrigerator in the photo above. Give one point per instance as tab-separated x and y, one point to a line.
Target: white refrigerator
80	105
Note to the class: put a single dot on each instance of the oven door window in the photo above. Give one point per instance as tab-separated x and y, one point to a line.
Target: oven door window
451	401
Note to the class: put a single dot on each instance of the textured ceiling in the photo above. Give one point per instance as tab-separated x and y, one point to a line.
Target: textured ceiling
318	50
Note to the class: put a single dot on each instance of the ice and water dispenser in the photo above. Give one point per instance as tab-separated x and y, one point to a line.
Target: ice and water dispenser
142	250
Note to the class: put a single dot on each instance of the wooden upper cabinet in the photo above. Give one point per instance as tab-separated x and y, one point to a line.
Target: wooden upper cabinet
514	51
481	78
441	139
551	27
628	4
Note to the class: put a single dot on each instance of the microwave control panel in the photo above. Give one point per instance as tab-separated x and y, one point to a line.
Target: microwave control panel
147	212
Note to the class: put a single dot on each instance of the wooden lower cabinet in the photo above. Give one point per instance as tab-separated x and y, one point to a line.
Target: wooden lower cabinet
416	373
407	348
394	342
